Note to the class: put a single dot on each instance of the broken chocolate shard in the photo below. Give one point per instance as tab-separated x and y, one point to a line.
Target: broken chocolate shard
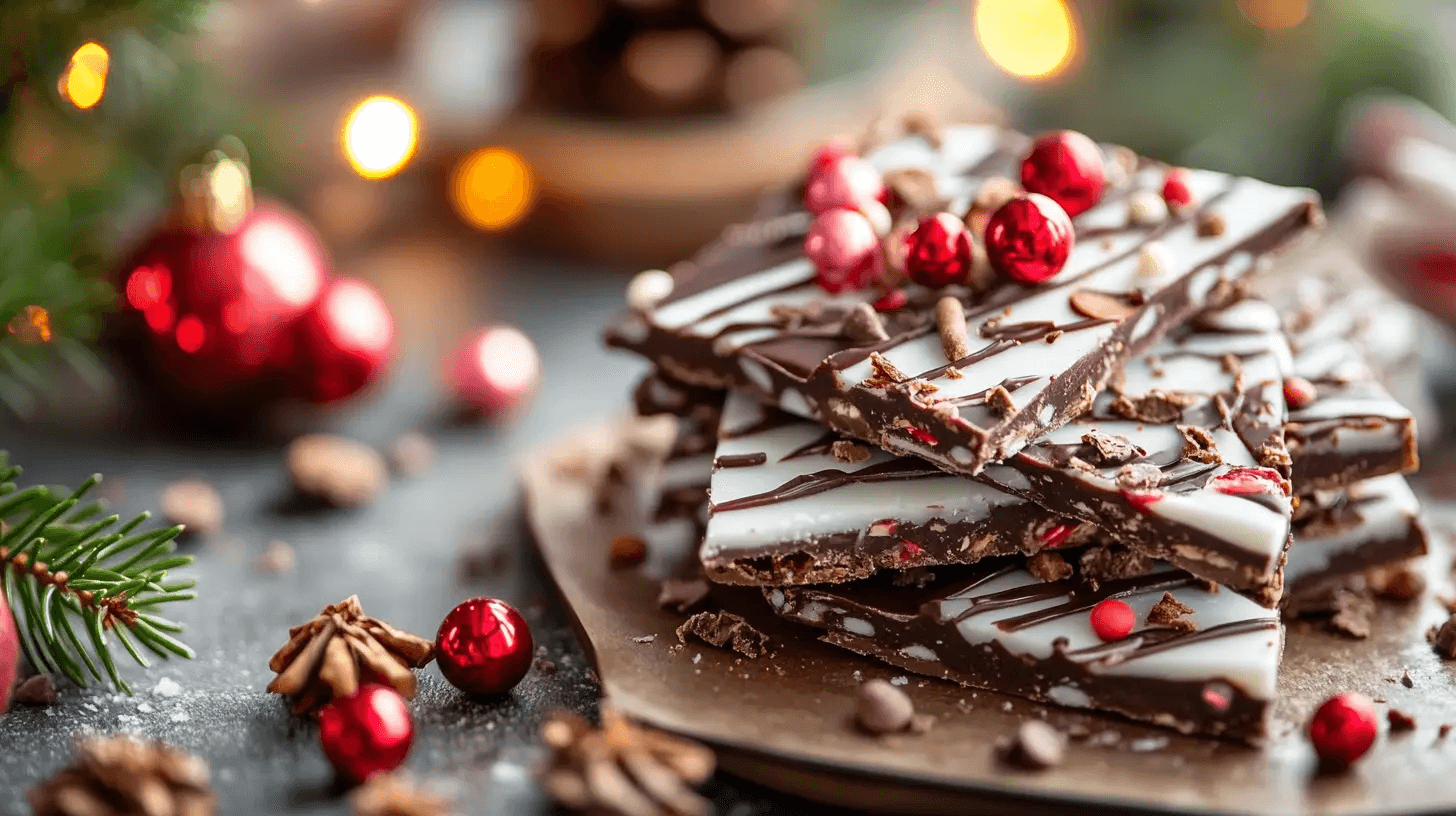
1048	566
725	630
863	325
1338	537
1156	406
1111	449
1400	721
1352	614
1169	612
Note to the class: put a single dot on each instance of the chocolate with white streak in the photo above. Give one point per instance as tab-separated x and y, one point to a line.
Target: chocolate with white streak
756	322
1371	524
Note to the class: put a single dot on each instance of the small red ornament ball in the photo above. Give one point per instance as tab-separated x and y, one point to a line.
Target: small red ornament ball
367	732
1176	193
345	342
845	251
9	653
1299	393
484	647
829	154
1112	619
1344	728
1029	238
494	370
850	182
1067	167
939	251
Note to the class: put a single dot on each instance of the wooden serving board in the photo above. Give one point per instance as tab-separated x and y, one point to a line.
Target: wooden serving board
784	719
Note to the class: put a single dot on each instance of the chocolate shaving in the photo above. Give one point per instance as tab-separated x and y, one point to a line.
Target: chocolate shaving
725	629
123	775
1157	405
1199	445
1169	612
1111	449
1139	475
623	769
863	325
39	690
1111	562
1352	614
1048	566
950	320
884	372
849	452
998	399
1097	305
913	189
681	595
390	795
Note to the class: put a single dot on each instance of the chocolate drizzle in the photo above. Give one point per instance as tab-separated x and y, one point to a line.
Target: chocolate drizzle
1010	384
809	484
1080	595
738	460
819	446
1152	641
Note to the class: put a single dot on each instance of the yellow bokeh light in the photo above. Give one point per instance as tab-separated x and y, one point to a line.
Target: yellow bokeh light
84	81
1275	15
492	188
379	136
1031	39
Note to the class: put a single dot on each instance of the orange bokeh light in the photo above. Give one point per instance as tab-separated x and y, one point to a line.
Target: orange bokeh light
83	83
492	188
1275	15
1030	39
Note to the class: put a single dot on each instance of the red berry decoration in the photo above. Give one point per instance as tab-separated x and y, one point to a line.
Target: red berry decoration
1343	729
494	370
1112	619
830	154
845	251
1029	238
1068	168
484	647
1175	190
345	342
1299	393
850	182
367	732
939	251
9	653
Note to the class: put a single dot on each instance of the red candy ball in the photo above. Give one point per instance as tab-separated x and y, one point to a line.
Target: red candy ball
1067	167
1112	619
1175	189
1343	728
939	251
345	342
484	647
494	369
366	733
829	154
1299	393
845	251
850	182
1029	238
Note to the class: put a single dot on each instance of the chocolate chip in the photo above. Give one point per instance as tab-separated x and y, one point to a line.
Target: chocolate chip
1445	641
39	690
412	454
1037	746
881	708
863	325
1169	612
1405	679
725	629
1156	406
849	452
336	471
1096	305
1048	566
195	504
628	551
1444	731
1112	562
1400	721
1352	614
681	595
1210	225
1111	449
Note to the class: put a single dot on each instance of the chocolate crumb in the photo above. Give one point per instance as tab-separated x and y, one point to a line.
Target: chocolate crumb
1048	566
950	321
998	399
644	639
1273	454
412	454
1139	475
1199	445
1111	449
1210	225
1396	583
1445	639
885	374
544	666
628	551
914	189
725	629
1156	406
918	577
849	452
195	504
880	708
1170	612
277	559
1444	731
863	325
1037	746
336	471
1400	721
1405	679
1352	614
681	595
39	690
1110	562
1096	305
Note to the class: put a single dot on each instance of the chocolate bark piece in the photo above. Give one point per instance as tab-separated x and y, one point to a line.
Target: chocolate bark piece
757	322
1370	524
995	626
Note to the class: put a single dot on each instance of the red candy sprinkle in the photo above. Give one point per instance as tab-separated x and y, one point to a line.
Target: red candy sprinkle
1067	167
1249	481
850	183
1112	619
909	550
1343	728
939	251
1175	190
845	251
1055	537
892	301
1029	238
1218	696
1142	499
1299	393
922	435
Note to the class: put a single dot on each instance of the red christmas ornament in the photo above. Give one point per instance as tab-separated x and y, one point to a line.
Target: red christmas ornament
484	647
845	251
850	182
494	369
345	342
1343	728
1175	190
1249	481
1112	619
828	155
367	732
1299	393
939	251
1067	167
9	653
1029	238
892	301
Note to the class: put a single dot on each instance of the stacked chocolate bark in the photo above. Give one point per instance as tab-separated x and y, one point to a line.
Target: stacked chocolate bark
1094	489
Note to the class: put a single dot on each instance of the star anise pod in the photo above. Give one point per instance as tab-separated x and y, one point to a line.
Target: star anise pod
623	769
390	795
124	775
329	656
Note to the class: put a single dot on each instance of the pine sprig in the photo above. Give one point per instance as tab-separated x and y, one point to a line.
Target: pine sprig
75	578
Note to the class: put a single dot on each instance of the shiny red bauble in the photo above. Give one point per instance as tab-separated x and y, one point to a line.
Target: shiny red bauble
1029	238
484	647
345	342
938	252
494	370
1068	168
829	154
850	182
1343	728
1112	619
367	732
9	653
845	251
1176	193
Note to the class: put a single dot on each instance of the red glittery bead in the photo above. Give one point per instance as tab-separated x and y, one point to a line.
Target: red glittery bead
1067	167
1029	238
494	369
1299	393
367	732
1112	619
1343	728
1175	189
938	251
344	342
1249	481
850	183
484	647
845	251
